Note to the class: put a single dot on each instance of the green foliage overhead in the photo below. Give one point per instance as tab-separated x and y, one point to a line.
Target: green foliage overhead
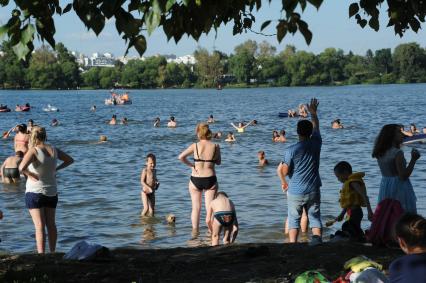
134	19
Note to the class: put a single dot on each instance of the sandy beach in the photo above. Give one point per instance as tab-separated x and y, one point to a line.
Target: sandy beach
236	263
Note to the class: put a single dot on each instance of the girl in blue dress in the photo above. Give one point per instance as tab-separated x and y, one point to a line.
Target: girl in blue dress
395	183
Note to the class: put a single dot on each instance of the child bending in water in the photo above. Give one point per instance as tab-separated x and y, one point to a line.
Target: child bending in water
149	184
221	214
410	231
353	196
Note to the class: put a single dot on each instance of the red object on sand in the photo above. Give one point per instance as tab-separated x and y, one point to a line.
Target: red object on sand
387	213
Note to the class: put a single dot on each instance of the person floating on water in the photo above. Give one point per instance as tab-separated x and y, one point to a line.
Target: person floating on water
9	170
124	121
275	136
210	120
301	163
230	137
172	122
150	184
54	122
413	129
336	124
303	111
291	113
222	215
113	120
93	108
157	122
217	135
241	126
353	196
262	160
281	136
102	139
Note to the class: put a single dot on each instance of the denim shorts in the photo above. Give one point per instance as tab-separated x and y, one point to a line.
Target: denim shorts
34	200
311	202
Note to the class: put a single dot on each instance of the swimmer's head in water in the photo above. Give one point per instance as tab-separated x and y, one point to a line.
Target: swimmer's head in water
172	118
282	132
211	117
203	131
218	135
114	116
304	128
103	138
30	122
261	153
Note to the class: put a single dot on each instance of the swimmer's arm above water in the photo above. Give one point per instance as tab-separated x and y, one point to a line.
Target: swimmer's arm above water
183	156
313	107
235	127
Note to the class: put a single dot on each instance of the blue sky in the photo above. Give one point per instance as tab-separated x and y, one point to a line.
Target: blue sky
330	25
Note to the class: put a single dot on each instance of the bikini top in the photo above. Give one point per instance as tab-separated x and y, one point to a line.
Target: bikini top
203	160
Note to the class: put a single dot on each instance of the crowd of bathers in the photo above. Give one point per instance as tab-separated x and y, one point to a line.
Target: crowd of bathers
298	173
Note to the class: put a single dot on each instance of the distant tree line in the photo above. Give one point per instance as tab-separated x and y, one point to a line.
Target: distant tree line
251	63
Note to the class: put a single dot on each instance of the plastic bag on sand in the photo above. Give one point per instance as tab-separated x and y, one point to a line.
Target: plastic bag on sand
369	275
84	251
359	263
311	276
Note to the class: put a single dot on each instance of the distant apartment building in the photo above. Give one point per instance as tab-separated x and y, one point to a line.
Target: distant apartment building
186	59
108	59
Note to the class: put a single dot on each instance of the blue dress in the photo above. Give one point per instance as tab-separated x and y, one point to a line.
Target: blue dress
392	186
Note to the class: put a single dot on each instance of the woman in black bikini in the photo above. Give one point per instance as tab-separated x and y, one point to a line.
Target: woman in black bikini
203	176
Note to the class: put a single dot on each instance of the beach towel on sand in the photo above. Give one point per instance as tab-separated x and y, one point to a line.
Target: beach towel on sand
311	276
84	251
385	216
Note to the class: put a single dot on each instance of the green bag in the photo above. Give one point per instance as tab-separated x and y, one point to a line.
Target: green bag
311	276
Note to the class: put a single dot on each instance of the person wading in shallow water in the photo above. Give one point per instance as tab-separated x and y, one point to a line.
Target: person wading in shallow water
41	196
301	165
203	175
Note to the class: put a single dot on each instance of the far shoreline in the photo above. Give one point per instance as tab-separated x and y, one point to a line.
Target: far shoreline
212	88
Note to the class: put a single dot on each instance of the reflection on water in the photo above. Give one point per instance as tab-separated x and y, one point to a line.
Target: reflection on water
99	195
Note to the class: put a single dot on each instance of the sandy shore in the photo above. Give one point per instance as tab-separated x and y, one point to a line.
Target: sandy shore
236	263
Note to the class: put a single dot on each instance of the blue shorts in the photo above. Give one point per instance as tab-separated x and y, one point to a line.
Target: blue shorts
33	200
311	202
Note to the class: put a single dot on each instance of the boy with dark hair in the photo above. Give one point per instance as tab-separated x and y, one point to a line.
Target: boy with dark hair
353	196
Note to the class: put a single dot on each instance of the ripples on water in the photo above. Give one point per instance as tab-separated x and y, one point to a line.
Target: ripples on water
100	192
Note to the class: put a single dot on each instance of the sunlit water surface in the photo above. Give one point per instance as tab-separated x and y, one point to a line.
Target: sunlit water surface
99	195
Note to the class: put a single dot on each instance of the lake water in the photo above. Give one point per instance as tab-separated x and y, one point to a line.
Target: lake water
99	195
